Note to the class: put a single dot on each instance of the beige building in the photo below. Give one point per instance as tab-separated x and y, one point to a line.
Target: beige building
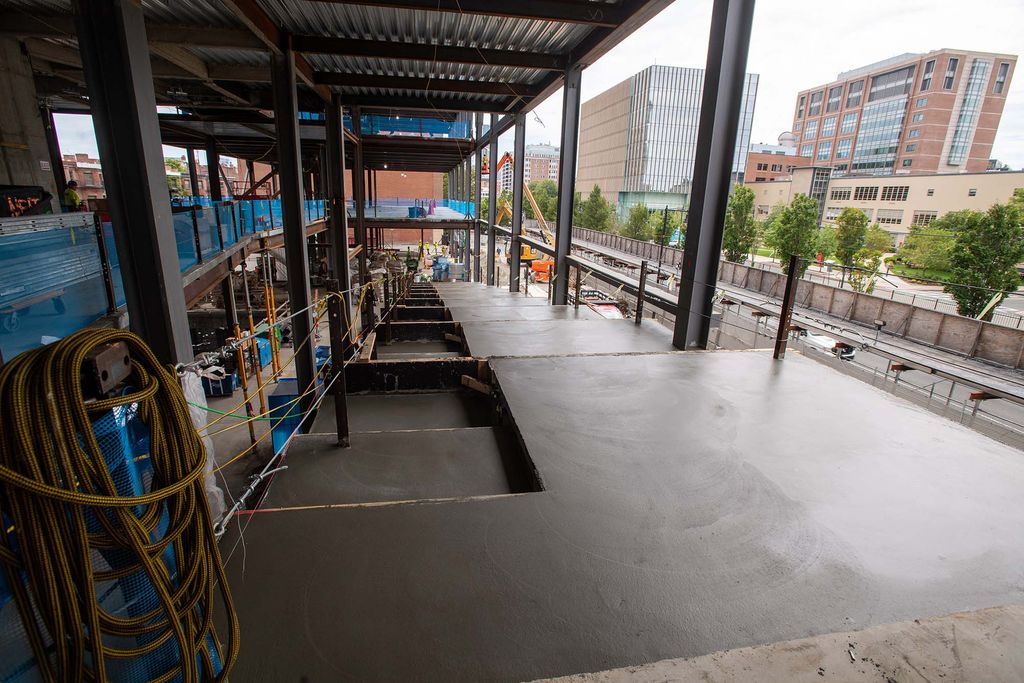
604	124
893	202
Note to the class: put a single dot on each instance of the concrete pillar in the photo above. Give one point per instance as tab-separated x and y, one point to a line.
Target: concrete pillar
26	160
286	117
115	56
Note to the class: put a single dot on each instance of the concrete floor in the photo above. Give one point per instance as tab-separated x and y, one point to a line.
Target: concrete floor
691	503
470	313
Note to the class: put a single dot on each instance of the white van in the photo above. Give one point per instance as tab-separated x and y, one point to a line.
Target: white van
827	344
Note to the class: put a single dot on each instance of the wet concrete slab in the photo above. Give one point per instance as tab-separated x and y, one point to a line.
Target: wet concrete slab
488	339
382	467
390	412
472	312
693	502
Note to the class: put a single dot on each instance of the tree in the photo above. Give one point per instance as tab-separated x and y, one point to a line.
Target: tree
638	223
851	233
663	225
175	184
596	213
504	197
826	242
878	239
795	231
865	268
927	247
984	256
545	193
740	230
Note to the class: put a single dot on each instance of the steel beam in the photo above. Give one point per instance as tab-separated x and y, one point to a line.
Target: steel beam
193	173
492	201
337	229
112	41
426	52
424	83
213	169
518	176
566	183
563	11
476	194
53	147
286	116
716	144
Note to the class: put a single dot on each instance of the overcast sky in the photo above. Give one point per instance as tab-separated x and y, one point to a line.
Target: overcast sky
796	44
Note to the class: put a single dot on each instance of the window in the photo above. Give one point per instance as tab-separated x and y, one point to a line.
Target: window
926	78
891	84
921	102
970	110
832	212
907	162
917	118
1004	68
865	193
973	192
895	193
828	126
912	147
762	167
815	107
777	167
849	123
806	150
854	94
947	83
915	133
835	96
840	194
824	150
800	108
796	127
843	148
759	179
890	216
811	130
840	169
924	217
931	191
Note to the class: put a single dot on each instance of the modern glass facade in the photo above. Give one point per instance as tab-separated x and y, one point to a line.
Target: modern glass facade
878	139
970	107
664	116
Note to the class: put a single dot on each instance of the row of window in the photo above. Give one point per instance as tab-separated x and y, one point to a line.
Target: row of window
764	167
889	193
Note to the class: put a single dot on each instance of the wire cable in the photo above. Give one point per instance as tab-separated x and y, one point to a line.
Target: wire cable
56	489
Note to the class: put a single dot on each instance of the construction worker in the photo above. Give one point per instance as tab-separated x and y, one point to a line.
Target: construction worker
72	200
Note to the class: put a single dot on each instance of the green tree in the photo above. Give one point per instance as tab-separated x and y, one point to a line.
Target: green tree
928	247
175	184
984	256
826	242
878	239
865	268
638	223
851	233
545	193
740	230
794	231
596	213
663	225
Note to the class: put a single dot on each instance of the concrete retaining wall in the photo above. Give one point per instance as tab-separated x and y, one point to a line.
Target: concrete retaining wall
973	338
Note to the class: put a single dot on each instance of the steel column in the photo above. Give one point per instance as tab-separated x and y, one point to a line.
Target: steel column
724	76
115	57
53	147
227	290
477	196
193	174
788	299
213	170
336	323
566	182
518	176
338	216
358	197
286	117
492	201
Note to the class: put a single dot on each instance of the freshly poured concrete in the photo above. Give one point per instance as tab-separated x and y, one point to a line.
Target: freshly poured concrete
381	466
475	312
391	412
564	337
694	503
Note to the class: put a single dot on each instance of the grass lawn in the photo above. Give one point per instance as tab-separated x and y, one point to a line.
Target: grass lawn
761	251
905	271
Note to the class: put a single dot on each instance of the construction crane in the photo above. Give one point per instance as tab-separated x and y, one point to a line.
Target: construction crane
539	263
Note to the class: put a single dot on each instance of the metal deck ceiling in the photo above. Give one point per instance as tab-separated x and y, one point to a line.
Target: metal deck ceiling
401	56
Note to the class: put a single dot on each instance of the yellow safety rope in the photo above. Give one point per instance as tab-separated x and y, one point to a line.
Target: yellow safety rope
54	479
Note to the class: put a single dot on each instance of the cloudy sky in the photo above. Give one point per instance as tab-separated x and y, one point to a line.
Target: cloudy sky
796	44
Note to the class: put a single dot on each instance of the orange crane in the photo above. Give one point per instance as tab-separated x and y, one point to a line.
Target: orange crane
540	264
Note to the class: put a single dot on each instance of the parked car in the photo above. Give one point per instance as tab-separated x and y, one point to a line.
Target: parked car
827	344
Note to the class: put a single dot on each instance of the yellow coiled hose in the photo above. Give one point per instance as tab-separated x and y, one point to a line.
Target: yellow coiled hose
54	481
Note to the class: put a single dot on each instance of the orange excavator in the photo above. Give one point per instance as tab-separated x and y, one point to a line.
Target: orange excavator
540	264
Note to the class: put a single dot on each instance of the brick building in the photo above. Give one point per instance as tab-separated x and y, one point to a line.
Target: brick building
915	113
767	163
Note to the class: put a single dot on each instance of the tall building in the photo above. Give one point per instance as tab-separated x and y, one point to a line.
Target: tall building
541	163
638	139
914	113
